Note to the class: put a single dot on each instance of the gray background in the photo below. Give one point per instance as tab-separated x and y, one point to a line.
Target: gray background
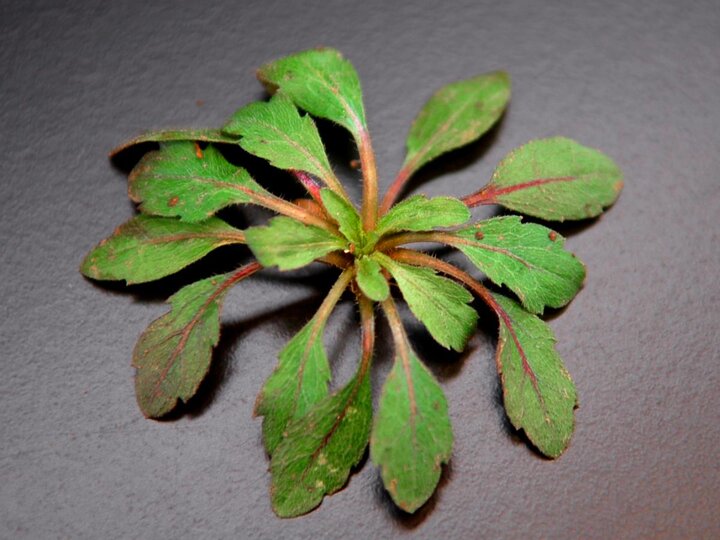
640	80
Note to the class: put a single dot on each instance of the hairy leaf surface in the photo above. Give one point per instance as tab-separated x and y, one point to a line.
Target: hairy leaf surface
288	244
321	82
276	131
530	259
371	280
438	302
148	248
173	355
320	449
554	179
411	435
167	135
538	393
345	214
418	213
456	115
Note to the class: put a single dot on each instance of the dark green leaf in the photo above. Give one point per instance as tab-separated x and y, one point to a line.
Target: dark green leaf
148	248
528	258
288	244
538	392
319	450
201	135
411	435
370	279
173	355
418	213
554	179
182	180
275	131
456	115
438	302
345	214
322	82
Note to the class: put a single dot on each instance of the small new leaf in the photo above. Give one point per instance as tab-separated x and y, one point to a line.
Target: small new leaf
318	452
173	355
538	393
554	179
456	115
185	181
288	244
418	213
370	279
321	82
148	248
344	214
411	435
530	259
439	303
276	131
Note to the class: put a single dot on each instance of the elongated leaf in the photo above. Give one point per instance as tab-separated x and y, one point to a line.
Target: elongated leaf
554	179
182	180
538	392
456	115
288	244
411	435
173	355
322	82
299	381
320	449
530	259
438	302
345	214
200	135
148	248
418	213
371	280
275	131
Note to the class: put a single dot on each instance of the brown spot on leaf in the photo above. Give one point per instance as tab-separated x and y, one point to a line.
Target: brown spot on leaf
173	201
198	151
479	235
552	235
392	487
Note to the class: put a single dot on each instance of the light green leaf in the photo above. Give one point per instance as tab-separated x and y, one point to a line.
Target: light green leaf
345	214
299	381
182	180
148	248
530	259
411	435
370	279
554	179
321	82
275	131
538	392
320	449
288	244
456	115
201	135
438	302
173	355
418	213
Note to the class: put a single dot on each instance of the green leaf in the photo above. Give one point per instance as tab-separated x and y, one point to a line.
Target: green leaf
411	436
148	248
438	302
182	180
173	355
299	381
418	213
530	259
456	115
345	214
320	449
289	244
554	179
538	392
201	135
275	131
321	82
370	279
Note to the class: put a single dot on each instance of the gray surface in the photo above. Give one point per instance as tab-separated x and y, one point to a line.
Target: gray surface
639	80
